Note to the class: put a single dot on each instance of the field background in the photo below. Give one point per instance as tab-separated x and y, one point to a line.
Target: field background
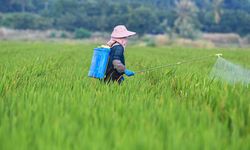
48	102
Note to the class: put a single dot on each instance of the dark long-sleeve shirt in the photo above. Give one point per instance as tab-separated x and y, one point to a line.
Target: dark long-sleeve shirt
116	53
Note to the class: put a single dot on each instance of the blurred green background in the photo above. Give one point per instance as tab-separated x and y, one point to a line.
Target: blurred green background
183	17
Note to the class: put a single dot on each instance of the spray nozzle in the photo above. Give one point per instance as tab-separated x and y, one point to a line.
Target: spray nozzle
218	55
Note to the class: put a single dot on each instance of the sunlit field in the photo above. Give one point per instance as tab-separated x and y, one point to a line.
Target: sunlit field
47	101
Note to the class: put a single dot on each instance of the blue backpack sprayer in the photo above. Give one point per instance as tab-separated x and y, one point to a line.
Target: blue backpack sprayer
99	62
101	57
222	69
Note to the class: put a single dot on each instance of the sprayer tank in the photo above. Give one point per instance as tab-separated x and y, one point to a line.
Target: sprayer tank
99	62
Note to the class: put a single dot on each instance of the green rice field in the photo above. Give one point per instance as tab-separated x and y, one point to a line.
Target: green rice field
48	102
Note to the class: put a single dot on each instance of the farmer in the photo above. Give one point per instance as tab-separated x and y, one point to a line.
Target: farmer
116	65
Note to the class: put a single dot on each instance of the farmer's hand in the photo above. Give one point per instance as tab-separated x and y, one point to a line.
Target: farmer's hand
129	73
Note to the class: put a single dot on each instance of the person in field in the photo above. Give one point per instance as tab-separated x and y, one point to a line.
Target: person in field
116	66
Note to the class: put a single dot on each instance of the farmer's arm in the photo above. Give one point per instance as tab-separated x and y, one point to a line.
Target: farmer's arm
118	65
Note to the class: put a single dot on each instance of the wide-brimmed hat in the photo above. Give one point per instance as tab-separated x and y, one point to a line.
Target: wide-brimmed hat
121	31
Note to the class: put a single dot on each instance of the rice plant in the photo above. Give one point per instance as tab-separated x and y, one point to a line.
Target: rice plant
48	102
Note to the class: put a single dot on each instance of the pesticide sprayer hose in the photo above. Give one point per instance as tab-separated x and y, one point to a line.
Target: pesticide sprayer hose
178	63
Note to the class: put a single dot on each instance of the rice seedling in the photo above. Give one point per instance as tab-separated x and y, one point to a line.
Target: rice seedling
48	102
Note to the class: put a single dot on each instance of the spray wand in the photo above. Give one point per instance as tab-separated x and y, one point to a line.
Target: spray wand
178	63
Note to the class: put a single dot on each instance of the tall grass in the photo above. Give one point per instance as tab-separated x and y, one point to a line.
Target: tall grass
48	102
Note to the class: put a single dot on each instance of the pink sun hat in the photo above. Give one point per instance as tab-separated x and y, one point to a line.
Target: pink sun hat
121	31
